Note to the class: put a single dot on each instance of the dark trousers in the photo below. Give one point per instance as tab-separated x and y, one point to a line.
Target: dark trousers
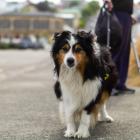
121	58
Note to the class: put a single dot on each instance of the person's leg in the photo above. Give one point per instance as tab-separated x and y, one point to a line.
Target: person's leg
121	58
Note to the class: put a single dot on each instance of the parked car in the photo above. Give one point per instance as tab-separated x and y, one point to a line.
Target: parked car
27	43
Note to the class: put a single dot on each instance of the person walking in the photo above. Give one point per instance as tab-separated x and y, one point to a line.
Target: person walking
123	10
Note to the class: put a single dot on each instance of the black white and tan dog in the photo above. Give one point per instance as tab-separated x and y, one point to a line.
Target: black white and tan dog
86	75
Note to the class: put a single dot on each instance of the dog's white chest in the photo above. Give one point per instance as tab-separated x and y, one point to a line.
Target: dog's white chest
75	92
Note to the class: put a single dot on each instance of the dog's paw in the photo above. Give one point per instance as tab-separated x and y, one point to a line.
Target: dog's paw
107	118
69	133
82	134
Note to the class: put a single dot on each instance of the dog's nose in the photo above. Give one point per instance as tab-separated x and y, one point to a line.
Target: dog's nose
70	62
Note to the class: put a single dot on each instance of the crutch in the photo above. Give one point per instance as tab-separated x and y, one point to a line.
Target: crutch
133	42
133	45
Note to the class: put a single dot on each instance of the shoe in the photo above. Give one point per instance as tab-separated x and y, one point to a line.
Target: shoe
127	90
115	92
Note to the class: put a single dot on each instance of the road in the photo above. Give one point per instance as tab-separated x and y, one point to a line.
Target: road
29	109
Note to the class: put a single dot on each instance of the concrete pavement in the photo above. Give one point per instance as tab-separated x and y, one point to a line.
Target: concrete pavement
29	109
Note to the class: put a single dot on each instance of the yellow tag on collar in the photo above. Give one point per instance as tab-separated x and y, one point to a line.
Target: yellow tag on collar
106	76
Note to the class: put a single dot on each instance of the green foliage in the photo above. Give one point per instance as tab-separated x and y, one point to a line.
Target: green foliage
9	46
90	9
74	3
4	46
46	6
82	23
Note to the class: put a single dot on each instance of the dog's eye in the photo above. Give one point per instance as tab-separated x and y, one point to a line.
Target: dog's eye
65	48
78	49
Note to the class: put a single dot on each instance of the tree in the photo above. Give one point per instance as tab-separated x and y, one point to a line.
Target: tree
74	3
44	6
90	9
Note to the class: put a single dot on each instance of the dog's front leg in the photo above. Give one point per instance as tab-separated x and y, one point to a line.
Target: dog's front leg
83	130
71	129
104	115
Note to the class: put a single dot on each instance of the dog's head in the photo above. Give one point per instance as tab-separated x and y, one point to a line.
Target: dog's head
72	50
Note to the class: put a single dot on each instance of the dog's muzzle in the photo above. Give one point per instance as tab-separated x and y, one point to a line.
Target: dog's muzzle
70	62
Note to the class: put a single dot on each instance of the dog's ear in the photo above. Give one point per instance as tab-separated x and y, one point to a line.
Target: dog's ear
61	34
92	38
81	34
56	35
87	36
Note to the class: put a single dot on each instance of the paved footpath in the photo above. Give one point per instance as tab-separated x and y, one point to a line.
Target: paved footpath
29	109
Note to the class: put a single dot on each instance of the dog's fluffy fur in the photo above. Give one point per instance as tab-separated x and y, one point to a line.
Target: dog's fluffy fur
86	75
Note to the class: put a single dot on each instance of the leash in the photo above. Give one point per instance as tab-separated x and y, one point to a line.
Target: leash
105	7
108	30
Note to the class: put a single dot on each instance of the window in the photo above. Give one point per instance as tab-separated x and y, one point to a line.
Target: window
40	24
4	23
21	24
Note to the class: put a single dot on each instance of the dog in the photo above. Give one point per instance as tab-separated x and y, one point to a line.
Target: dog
86	75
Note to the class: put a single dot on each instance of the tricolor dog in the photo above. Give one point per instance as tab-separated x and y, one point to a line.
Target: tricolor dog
86	75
